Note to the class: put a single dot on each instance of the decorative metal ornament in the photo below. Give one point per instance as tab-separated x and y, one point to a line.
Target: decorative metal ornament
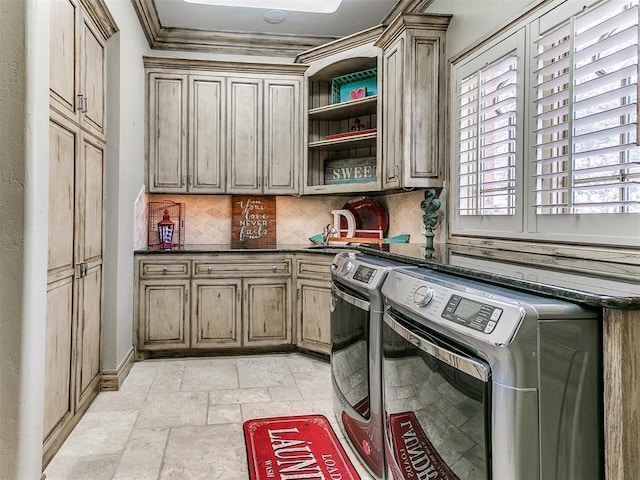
430	206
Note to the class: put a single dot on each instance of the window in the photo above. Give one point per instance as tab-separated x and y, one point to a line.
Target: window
487	139
575	176
586	88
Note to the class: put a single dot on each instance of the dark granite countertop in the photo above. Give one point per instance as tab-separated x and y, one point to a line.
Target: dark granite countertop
592	282
226	248
604	284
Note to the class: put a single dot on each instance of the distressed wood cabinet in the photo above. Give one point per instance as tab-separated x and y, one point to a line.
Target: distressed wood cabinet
264	135
223	127
77	157
413	94
208	302
77	70
328	120
313	314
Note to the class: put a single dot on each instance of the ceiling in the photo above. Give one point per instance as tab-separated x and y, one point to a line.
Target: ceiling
178	25
352	16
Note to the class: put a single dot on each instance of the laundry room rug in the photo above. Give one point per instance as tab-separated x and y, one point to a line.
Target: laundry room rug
295	447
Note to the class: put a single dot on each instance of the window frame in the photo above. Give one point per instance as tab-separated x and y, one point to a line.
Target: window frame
606	229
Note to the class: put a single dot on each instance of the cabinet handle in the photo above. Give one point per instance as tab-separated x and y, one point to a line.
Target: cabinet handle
184	180
80	103
165	269
190	180
396	171
85	104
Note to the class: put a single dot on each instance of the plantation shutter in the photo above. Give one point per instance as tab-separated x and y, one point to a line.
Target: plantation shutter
486	139
586	113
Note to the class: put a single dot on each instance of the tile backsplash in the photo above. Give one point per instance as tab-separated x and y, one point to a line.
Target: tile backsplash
208	217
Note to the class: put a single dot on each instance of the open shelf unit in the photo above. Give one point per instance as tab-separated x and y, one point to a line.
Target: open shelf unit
342	141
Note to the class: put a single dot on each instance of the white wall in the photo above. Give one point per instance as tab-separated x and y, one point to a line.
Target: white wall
473	19
124	176
24	103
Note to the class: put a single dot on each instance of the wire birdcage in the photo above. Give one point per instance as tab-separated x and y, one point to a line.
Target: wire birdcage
176	213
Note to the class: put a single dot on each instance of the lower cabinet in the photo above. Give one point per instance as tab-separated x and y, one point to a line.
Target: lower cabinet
228	302
267	307
313	314
216	319
164	314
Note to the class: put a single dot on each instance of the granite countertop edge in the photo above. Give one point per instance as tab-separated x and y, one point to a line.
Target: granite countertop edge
616	302
630	302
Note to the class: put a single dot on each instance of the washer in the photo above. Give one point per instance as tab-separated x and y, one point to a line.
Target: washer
356	335
485	382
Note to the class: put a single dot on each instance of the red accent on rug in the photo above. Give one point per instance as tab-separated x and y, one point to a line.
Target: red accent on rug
300	447
414	453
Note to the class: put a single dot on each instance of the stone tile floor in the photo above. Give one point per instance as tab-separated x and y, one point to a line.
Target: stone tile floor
182	418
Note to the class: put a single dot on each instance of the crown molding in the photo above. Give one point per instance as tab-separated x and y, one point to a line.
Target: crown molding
221	66
240	43
406	6
99	13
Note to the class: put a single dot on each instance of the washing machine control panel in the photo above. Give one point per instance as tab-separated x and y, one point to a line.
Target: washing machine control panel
472	314
453	306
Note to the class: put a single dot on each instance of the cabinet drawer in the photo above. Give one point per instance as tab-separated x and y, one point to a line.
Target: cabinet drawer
155	269
280	266
318	269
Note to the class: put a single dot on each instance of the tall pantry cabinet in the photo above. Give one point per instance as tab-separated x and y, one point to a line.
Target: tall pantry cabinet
79	30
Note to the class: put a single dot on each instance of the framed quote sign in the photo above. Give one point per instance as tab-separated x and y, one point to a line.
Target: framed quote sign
253	221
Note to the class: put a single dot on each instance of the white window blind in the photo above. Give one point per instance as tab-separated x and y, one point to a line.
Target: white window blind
586	113
486	143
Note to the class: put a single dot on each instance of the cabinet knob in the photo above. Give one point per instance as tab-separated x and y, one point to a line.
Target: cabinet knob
209	269
274	269
165	269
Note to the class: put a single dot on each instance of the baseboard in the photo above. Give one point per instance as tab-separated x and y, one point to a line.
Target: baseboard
112	379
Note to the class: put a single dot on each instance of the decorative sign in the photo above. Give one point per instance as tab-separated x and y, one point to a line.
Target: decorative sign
352	170
253	221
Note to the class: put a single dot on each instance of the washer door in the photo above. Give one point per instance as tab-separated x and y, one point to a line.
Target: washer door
437	406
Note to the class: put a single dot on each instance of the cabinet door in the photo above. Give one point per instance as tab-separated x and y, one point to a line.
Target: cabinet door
392	114
59	400
92	78
88	336
267	311
167	148
425	117
216	313
89	238
314	315
64	61
163	314
282	135
244	135
207	119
